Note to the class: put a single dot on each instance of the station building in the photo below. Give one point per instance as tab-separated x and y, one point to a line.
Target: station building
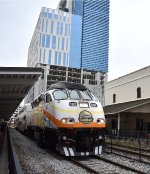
127	102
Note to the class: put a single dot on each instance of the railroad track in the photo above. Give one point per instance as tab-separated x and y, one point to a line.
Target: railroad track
131	158
130	152
120	165
91	166
39	160
129	147
86	167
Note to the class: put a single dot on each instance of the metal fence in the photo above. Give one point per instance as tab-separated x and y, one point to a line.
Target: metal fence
136	134
139	140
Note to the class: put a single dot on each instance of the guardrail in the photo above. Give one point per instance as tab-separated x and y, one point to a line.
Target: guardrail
14	165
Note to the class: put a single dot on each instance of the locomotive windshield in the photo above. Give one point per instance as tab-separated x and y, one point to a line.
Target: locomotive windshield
72	94
60	95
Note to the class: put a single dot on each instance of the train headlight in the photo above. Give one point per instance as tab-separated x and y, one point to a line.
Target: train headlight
93	104
100	120
72	104
67	120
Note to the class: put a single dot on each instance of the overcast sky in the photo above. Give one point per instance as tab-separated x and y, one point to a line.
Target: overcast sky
129	44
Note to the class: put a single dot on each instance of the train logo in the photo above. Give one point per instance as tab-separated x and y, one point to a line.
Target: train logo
85	117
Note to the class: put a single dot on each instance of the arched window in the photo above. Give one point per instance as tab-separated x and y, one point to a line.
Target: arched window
114	98
138	92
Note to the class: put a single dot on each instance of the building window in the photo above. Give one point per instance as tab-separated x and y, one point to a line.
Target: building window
44	56
49	15
62	46
64	18
40	39
58	42
66	29
43	40
54	42
49	57
40	55
45	14
56	53
67	59
42	25
46	26
64	60
52	26
59	59
55	16
138	92
67	44
114	98
61	28
47	41
58	27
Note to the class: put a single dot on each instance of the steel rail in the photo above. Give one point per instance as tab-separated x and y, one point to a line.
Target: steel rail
125	156
87	168
119	165
124	146
130	152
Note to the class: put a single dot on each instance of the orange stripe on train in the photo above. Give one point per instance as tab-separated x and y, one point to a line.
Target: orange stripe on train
59	124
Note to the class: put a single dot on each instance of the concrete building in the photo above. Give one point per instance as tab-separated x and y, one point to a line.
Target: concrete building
131	87
93	80
127	100
50	43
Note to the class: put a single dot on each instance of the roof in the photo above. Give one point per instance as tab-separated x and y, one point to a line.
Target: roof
121	107
67	85
15	83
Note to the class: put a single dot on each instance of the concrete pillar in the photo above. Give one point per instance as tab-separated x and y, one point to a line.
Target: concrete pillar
45	77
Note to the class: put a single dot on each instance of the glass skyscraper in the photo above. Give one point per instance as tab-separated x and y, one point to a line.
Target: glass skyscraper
94	33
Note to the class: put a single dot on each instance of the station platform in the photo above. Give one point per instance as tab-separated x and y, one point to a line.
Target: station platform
4	168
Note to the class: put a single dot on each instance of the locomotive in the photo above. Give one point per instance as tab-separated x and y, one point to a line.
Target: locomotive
67	117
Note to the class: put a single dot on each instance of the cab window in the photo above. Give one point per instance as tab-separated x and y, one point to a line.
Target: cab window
48	98
85	95
73	94
60	95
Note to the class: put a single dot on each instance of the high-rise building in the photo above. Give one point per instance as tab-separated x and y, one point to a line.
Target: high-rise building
50	43
56	38
95	32
71	44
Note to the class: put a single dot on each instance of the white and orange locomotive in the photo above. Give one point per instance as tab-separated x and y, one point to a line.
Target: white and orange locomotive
68	117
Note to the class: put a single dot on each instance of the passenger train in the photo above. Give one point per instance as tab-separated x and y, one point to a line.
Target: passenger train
67	117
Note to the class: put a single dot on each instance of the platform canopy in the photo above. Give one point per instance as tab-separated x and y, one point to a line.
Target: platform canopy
15	83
